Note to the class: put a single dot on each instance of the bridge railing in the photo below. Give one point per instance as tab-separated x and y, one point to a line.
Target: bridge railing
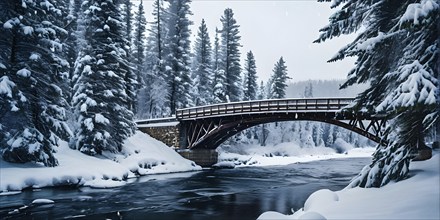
264	106
157	122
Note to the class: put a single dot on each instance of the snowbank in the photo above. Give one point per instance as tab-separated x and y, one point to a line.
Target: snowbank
141	155
417	197
285	153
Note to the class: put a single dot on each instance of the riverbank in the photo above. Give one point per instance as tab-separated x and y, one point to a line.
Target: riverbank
285	153
141	155
417	197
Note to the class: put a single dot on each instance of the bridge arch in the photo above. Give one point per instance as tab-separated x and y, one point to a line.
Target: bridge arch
211	134
207	127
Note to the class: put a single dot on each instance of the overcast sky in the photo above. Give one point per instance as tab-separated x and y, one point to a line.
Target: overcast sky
272	29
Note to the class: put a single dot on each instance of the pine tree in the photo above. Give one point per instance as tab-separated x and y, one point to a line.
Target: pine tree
279	80
397	53
177	57
101	81
203	66
139	43
218	79
261	91
230	55
33	76
130	77
308	90
216	52
128	19
153	94
250	78
72	41
318	134
219	90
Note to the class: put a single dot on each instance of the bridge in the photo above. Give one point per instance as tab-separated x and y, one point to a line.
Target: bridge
197	131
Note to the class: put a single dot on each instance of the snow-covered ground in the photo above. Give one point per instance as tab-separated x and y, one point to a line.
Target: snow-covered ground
285	153
417	197
141	155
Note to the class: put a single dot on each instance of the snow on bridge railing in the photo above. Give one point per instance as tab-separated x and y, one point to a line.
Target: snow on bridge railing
264	106
157	122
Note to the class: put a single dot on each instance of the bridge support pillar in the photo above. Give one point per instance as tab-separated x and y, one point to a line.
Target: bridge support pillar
202	157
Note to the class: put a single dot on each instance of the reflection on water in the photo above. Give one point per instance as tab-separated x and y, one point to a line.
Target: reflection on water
242	193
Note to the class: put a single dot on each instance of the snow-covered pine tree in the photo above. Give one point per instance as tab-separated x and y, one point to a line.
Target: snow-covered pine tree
279	80
230	55
328	135
218	78
139	40
153	94
319	138
398	54
128	20
203	66
261	91
216	61
131	77
308	91
140	23
72	44
177	58
250	78
219	89
32	77
101	102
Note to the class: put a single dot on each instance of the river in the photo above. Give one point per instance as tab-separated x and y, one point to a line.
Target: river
240	193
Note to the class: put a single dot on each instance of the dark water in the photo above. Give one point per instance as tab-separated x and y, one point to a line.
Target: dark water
241	193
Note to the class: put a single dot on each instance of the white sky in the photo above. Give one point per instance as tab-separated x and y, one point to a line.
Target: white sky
272	29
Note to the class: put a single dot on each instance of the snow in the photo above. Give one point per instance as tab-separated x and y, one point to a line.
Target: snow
43	201
9	193
274	216
163	124
35	56
88	122
100	61
6	86
7	25
417	197
224	164
284	154
371	42
10	23
111	74
416	11
87	70
86	58
94	8
108	93
28	30
99	118
46	5
416	86
24	72
141	155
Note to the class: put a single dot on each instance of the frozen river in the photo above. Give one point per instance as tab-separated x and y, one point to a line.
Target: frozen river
241	193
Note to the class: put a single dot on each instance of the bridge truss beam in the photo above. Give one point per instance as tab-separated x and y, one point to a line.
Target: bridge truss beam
209	133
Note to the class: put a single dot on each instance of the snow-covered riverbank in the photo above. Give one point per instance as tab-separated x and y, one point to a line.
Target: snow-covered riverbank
285	153
141	155
417	197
